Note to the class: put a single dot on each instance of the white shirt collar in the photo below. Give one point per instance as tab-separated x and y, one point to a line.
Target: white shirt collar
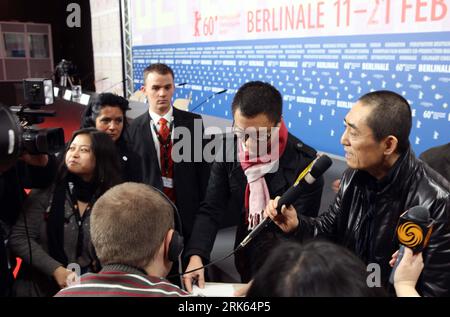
155	117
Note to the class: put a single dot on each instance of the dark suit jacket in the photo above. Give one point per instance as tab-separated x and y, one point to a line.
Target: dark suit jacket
190	177
130	163
438	158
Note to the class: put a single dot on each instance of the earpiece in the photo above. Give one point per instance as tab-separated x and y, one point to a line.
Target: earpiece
176	245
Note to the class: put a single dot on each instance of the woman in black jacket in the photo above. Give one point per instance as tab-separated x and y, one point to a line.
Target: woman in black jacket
53	231
107	113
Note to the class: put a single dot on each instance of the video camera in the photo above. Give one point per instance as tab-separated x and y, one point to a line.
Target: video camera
17	135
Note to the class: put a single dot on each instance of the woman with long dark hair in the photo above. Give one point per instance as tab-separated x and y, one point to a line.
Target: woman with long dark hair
53	231
314	269
107	113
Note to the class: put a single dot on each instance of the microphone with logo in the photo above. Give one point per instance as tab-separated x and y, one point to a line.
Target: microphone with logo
320	165
413	231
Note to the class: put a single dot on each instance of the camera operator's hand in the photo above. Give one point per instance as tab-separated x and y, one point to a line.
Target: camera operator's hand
39	160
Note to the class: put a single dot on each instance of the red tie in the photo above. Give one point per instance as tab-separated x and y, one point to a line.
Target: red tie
165	152
163	129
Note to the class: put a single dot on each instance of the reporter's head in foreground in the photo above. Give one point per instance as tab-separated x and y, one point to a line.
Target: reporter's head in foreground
132	226
315	269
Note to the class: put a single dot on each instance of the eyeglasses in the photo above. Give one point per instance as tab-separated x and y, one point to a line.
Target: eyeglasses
258	135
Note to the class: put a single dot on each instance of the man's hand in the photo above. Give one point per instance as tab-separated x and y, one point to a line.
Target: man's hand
194	277
64	277
39	160
242	292
335	185
287	220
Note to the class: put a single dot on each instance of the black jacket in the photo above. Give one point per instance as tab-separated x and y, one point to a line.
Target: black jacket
363	204
226	194
190	177
438	158
12	196
130	163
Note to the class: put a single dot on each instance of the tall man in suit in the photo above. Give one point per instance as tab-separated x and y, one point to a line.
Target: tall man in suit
157	135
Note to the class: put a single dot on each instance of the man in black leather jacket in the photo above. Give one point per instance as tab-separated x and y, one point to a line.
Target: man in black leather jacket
384	179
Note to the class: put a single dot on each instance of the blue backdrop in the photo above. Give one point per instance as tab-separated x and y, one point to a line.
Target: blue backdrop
320	78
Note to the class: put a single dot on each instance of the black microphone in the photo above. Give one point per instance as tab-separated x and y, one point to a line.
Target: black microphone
209	97
181	84
413	231
318	168
120	82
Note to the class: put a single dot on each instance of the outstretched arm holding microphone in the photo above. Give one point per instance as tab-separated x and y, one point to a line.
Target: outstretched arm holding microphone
407	273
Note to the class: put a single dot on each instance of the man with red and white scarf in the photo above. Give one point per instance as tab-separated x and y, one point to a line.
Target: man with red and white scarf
261	160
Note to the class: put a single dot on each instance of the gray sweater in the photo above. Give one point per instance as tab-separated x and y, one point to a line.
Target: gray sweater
35	208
